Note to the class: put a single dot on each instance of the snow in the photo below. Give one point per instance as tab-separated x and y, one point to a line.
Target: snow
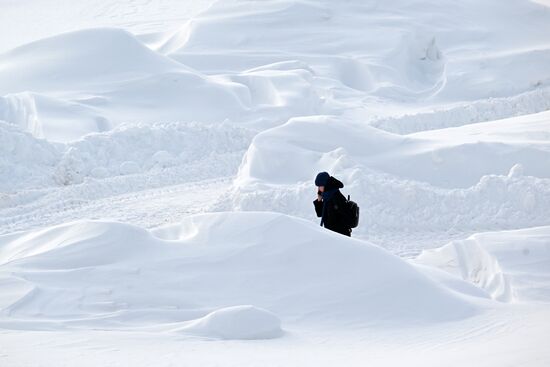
470	261
207	261
505	261
237	322
35	163
443	158
156	176
43	20
463	178
66	85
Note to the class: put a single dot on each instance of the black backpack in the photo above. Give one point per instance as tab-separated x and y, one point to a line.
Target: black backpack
353	213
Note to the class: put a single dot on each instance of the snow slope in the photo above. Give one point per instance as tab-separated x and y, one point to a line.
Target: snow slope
511	265
401	50
235	276
121	122
369	60
31	163
86	81
182	272
34	19
483	176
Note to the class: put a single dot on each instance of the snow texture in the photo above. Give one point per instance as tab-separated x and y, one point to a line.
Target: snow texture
156	177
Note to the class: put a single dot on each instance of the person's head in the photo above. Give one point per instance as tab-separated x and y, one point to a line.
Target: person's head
321	180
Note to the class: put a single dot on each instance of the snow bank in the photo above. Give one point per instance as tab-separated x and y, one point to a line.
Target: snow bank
92	80
436	180
389	205
392	50
29	162
466	113
470	261
279	91
91	274
52	118
23	158
237	322
42	20
68	61
259	66
109	78
509	265
144	148
451	158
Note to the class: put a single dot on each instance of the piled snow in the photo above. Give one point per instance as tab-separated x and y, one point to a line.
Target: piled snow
470	261
454	179
67	61
466	113
398	99
66	86
23	158
43	20
238	322
510	265
85	274
51	118
449	158
29	162
428	50
92	80
97	89
142	148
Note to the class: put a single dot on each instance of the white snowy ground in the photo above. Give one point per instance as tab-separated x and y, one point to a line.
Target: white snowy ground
156	178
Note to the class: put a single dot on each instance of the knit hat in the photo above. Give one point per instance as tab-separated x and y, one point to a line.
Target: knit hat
321	179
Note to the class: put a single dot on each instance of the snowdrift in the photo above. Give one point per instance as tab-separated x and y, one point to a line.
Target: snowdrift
113	275
468	260
24	160
464	113
259	66
238	322
27	162
149	128
484	175
64	87
512	266
394	49
78	60
449	158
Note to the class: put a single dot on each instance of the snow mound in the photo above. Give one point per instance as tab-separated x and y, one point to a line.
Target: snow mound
87	274
391	50
456	178
281	90
29	162
52	118
91	56
237	322
447	158
131	149
259	66
67	86
23	158
389	205
461	114
509	265
470	261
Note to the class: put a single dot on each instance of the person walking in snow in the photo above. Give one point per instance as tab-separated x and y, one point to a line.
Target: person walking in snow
331	205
